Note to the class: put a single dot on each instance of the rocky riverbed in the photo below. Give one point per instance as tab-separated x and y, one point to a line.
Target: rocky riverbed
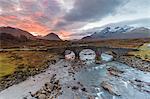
134	62
19	76
74	80
114	77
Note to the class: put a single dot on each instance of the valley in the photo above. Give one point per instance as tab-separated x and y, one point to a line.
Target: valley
24	63
74	49
44	69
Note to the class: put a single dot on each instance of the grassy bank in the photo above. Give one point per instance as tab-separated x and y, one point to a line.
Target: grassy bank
6	66
17	66
13	61
143	53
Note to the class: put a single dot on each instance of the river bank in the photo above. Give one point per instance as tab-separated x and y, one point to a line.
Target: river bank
20	76
64	79
17	66
134	62
71	80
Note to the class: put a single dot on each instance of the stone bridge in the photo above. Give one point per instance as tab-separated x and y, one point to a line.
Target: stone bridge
98	50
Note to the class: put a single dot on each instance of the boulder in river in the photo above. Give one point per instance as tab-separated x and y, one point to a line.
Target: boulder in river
42	96
110	88
87	56
114	71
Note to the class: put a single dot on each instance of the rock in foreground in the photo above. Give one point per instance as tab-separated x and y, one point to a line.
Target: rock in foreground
110	88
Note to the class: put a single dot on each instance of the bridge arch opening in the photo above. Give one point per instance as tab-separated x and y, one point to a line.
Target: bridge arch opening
69	55
87	56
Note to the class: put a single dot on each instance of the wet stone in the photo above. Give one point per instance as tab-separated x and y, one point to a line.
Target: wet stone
84	89
114	71
110	88
75	88
42	96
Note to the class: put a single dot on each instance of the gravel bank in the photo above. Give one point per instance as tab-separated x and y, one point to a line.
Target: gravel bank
134	62
19	76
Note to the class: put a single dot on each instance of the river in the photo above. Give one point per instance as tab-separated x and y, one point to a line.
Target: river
91	79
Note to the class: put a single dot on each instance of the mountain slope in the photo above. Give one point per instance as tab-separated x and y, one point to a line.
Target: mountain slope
51	36
136	33
14	37
125	32
16	32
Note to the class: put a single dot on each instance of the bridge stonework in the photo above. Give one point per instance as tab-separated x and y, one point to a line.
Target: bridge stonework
98	50
77	50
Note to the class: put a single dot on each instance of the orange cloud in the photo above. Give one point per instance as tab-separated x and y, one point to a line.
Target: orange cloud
64	34
32	26
38	14
35	17
29	24
11	17
4	20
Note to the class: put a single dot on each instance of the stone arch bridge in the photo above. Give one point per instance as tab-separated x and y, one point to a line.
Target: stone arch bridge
98	50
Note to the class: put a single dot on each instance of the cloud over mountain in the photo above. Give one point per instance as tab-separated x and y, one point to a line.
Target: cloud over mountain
87	11
66	17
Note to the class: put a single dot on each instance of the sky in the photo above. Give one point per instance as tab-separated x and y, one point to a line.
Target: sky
70	18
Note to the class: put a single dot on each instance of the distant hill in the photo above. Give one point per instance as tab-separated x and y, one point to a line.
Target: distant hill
16	32
10	36
125	32
51	36
5	37
87	38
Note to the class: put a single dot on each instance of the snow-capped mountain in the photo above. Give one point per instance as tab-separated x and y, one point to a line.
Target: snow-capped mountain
119	32
112	30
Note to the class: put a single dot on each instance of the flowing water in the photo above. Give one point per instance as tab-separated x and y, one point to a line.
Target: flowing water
95	74
90	79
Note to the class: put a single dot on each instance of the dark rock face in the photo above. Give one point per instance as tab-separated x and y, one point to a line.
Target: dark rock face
51	36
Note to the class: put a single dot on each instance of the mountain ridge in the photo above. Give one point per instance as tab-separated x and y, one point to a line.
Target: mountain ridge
126	32
51	36
16	32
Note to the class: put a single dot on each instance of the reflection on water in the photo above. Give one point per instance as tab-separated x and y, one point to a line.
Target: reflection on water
92	77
